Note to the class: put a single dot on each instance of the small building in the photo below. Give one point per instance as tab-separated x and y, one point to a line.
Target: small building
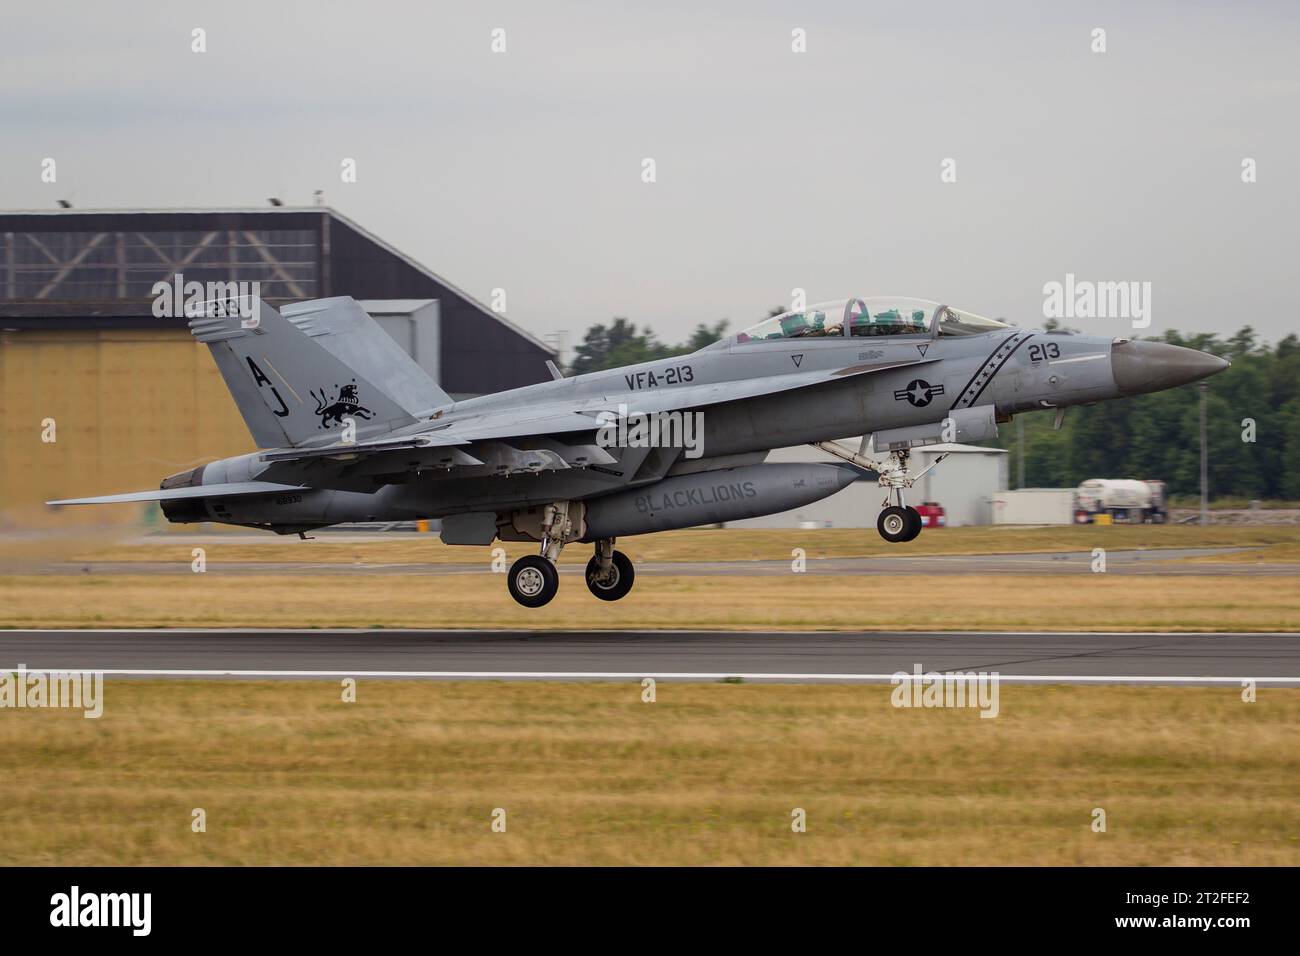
965	484
1034	506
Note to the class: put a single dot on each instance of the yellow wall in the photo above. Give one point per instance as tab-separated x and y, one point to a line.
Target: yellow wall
130	407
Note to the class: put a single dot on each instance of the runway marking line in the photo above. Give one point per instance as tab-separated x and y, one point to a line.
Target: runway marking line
661	675
535	632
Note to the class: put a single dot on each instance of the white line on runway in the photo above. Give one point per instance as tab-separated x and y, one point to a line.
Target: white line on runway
660	675
543	632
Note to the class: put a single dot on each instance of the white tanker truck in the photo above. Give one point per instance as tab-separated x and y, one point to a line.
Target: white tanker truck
1124	499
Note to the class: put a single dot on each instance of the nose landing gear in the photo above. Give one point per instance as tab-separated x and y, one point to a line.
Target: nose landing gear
899	522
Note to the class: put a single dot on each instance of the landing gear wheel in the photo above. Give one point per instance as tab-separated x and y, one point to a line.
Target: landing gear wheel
916	523
895	524
533	581
620	581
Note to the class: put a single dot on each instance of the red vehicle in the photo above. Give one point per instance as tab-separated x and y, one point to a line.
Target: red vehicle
932	515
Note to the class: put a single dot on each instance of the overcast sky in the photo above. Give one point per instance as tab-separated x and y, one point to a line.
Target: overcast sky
775	169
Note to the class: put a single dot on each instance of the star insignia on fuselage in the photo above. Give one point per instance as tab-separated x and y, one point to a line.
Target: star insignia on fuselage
919	392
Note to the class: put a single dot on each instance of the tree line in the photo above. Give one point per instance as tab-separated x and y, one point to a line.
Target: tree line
1252	428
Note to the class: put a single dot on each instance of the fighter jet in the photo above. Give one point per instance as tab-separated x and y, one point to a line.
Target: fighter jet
353	430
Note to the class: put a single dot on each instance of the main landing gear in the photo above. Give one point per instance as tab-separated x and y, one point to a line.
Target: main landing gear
609	573
533	580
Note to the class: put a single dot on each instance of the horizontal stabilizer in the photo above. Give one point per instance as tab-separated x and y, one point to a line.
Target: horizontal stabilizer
225	490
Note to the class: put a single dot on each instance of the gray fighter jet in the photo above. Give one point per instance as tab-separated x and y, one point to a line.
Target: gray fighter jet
354	430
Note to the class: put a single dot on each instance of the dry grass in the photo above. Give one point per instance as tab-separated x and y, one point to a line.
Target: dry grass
1287	552
709	774
788	602
706	544
477	600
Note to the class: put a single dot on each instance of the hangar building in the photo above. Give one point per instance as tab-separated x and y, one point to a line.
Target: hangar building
132	396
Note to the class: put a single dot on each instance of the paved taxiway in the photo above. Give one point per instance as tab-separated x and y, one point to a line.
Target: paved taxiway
566	655
1154	561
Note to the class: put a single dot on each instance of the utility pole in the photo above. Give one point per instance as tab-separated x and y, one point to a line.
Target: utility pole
1205	481
1020	454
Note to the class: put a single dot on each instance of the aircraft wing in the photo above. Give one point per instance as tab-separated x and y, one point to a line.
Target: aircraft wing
352	450
569	416
194	491
439	447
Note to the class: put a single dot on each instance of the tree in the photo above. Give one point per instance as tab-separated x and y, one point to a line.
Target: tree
1241	344
704	335
1289	425
618	344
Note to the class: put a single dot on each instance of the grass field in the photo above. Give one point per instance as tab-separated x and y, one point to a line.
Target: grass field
708	774
731	544
477	599
791	602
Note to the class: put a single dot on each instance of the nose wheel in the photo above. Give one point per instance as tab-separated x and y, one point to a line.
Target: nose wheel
897	524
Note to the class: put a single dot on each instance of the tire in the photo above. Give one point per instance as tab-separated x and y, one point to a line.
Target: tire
917	523
894	524
624	576
533	581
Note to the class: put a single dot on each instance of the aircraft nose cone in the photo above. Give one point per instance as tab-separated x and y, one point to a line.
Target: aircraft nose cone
1154	366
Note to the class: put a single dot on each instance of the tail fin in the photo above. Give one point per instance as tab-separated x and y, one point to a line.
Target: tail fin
344	329
289	388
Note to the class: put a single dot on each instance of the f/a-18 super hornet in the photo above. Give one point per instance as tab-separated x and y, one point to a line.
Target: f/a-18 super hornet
353	430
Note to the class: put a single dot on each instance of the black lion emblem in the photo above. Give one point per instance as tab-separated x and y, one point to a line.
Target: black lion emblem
332	410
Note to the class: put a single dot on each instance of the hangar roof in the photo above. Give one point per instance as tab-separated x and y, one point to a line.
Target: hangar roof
93	221
97	269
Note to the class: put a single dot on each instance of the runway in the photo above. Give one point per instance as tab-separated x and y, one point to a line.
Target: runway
867	656
1161	561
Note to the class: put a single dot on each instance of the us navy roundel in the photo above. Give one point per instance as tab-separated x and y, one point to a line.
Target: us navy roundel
919	392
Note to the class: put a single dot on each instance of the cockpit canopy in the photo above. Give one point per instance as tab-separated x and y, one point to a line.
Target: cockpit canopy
863	318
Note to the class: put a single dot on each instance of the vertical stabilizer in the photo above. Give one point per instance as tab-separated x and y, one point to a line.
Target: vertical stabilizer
289	388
